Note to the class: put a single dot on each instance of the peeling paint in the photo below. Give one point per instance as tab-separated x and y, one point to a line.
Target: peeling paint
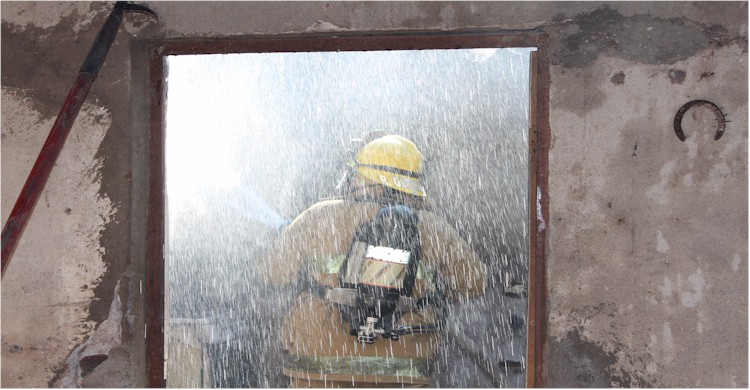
642	37
539	216
667	288
736	262
579	361
661	244
676	76
667	343
582	360
23	15
659	192
693	295
95	349
618	78
447	14
693	145
690	292
661	349
322	26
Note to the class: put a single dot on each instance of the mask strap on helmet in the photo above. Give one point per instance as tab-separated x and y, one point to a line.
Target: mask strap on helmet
390	169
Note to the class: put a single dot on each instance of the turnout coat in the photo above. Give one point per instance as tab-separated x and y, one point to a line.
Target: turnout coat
315	339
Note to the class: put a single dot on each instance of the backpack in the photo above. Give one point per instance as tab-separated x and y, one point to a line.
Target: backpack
381	266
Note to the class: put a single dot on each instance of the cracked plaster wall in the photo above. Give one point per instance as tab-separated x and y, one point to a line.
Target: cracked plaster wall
646	235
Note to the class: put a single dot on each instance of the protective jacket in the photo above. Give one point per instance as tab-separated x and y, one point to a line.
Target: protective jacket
315	338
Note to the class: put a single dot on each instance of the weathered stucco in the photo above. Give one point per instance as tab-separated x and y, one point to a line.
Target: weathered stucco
51	285
668	215
646	251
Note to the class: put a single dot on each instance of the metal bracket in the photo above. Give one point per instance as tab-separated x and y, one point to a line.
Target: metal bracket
720	117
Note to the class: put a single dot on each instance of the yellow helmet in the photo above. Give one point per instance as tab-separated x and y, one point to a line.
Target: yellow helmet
394	162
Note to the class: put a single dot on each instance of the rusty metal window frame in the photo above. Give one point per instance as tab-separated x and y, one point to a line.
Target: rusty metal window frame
539	136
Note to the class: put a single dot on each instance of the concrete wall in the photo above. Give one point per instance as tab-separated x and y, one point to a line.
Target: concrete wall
646	249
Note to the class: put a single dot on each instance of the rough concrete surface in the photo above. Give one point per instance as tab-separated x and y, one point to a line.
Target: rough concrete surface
646	246
50	284
666	217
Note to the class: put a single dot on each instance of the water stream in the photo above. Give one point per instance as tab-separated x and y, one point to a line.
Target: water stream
255	139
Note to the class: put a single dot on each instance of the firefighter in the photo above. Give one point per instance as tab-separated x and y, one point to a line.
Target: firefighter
379	267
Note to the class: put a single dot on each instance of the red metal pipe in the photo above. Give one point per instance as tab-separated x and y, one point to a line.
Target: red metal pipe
39	174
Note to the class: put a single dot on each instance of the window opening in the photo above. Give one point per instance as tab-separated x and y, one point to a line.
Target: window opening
253	139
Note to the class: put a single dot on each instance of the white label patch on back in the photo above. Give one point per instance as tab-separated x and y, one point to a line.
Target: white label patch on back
384	267
391	255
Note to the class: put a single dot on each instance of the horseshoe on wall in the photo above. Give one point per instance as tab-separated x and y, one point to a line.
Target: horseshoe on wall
720	117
